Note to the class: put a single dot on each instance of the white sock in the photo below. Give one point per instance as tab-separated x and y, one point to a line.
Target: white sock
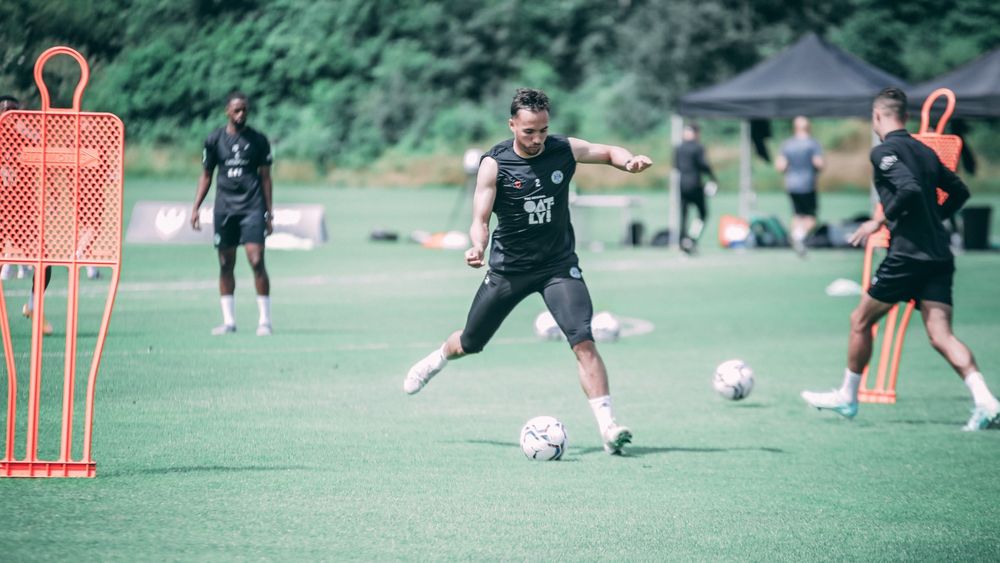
850	386
602	412
980	392
31	300
228	310
264	307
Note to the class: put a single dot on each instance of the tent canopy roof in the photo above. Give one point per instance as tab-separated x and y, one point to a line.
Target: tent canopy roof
976	85
812	77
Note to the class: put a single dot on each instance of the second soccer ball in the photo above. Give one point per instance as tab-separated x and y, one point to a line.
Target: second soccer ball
733	380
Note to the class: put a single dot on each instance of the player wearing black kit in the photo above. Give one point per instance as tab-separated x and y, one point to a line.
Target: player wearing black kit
919	264
243	208
524	181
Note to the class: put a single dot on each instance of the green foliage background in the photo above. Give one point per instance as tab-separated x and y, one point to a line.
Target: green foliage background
338	82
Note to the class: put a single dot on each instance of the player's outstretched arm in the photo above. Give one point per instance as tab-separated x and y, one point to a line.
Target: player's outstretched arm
204	183
619	157
482	208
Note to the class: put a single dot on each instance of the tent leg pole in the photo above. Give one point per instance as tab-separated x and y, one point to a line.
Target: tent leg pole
746	171
674	196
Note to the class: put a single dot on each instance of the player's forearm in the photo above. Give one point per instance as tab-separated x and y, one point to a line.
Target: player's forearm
204	184
619	157
268	200
479	234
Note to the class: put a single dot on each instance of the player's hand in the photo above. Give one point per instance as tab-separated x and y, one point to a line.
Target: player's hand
195	220
474	257
711	188
638	163
867	229
268	225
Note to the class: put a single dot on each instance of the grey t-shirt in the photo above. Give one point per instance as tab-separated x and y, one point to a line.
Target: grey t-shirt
800	176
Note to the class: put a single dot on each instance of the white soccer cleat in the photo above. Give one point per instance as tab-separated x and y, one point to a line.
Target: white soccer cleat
831	400
6	272
264	329
419	375
615	438
983	418
223	329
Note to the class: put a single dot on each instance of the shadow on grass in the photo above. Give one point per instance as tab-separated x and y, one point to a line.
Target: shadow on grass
640	451
180	470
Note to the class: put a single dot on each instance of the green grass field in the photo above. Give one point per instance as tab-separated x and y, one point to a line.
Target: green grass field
303	445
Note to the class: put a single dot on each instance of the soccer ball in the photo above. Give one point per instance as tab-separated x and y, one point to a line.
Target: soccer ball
546	327
733	380
543	438
605	327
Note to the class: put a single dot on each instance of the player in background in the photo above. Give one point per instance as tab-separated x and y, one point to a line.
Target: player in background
8	177
690	162
919	264
525	182
800	160
243	207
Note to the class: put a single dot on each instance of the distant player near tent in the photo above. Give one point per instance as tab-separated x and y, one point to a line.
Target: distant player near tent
919	264
525	182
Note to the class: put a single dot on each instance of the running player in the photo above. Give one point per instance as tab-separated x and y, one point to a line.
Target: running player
919	264
243	207
525	182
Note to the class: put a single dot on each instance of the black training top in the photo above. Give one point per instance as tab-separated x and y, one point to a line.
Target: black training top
533	229
907	173
689	160
238	189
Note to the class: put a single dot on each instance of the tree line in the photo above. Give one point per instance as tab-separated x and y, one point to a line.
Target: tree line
341	81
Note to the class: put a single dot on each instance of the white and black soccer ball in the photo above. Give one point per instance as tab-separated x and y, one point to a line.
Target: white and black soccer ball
733	380
543	438
546	327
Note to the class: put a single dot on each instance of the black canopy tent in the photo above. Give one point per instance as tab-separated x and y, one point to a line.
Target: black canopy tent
976	85
811	78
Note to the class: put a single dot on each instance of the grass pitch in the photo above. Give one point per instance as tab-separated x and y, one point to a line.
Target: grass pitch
303	445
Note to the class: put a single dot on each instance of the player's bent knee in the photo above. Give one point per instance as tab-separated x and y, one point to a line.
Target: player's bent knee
470	345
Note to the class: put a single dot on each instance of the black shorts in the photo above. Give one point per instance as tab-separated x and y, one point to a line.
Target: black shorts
804	204
234	230
899	279
564	292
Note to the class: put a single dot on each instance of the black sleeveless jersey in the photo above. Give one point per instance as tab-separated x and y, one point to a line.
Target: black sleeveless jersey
533	229
238	187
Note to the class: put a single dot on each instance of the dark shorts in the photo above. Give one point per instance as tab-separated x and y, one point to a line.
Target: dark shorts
804	204
234	230
899	279
564	292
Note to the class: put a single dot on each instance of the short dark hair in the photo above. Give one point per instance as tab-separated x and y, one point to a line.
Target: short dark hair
9	98
893	100
693	125
529	99
236	95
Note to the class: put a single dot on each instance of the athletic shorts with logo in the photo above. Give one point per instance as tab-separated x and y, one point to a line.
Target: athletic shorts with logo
237	229
563	290
900	279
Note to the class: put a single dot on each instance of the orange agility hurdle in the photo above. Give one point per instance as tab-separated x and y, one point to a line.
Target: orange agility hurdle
948	149
61	172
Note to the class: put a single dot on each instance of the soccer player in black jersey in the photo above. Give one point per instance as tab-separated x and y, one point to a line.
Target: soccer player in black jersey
525	182
243	206
919	264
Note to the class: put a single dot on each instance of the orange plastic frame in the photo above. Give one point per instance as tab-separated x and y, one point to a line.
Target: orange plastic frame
62	181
